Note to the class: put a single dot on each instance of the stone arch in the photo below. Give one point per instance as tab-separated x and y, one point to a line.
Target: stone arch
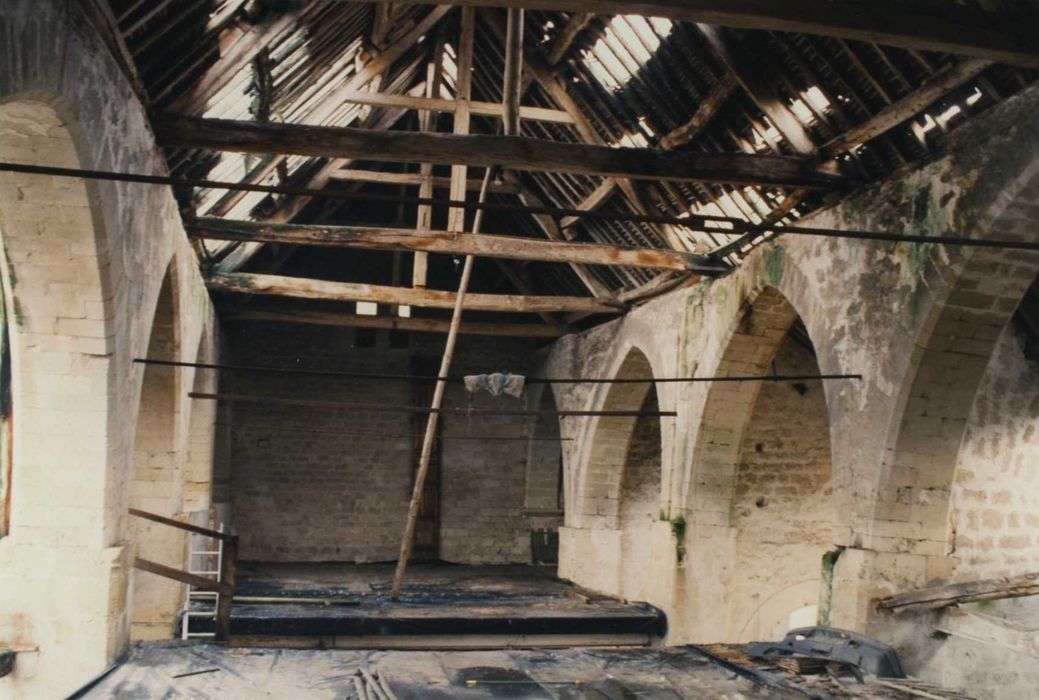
763	469
910	512
201	434
758	332
60	334
158	478
64	446
543	492
598	494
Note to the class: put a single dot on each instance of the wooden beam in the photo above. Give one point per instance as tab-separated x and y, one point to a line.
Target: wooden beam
908	107
417	325
759	86
450	243
590	203
200	582
515	152
189	527
951	29
959	593
446	106
302	288
705	111
356	175
574	26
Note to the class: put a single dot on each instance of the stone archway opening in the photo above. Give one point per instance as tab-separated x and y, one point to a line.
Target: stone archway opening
762	473
599	496
782	507
640	507
158	477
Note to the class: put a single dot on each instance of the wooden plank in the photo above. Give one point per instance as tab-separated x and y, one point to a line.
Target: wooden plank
705	111
958	593
446	106
303	288
760	86
515	152
950	29
200	582
908	107
449	243
215	534
417	325
356	175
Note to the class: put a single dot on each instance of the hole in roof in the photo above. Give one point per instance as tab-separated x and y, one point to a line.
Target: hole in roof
628	42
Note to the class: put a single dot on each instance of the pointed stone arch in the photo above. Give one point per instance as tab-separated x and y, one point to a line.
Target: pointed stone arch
597	502
158	476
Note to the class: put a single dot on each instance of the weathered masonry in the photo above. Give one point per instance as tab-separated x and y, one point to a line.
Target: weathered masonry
350	327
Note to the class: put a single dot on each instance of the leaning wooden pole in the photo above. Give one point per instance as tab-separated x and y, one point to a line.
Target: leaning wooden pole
408	538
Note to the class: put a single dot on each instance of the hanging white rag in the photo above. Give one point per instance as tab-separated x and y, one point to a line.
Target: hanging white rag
496	384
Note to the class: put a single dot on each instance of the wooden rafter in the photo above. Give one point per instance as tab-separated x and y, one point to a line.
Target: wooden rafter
303	288
951	29
548	226
705	111
449	243
908	107
760	86
514	152
333	100
561	44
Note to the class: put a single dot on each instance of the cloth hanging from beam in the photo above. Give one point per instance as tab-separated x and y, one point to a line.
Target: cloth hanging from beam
496	384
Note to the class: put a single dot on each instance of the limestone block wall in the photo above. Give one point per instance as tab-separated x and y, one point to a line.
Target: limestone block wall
994	523
84	264
328	484
918	322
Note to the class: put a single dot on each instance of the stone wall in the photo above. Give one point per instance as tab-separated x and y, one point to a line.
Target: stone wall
326	484
919	323
84	265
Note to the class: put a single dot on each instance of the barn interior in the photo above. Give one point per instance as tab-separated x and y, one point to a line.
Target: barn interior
519	348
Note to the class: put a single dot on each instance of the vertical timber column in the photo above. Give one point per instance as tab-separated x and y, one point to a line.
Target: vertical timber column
427	122
463	90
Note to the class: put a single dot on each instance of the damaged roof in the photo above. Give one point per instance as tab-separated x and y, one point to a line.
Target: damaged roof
614	80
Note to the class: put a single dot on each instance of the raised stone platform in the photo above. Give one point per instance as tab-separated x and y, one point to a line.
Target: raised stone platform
442	606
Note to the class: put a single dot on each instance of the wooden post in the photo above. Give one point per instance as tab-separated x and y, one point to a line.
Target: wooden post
408	538
512	88
228	565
